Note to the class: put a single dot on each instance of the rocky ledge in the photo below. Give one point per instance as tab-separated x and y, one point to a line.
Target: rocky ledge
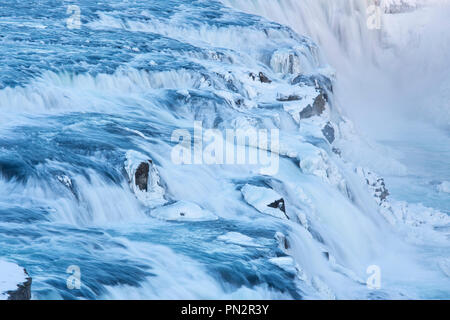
15	282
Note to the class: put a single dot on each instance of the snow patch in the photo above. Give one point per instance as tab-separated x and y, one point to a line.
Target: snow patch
183	211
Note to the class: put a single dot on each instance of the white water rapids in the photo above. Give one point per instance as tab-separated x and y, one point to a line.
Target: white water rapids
82	109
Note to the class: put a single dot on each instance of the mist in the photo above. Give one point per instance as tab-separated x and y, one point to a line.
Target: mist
387	77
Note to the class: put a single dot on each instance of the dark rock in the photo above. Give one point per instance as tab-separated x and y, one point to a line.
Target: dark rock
141	176
286	244
308	112
381	191
288	98
23	291
337	151
376	185
239	102
316	109
279	204
328	132
263	78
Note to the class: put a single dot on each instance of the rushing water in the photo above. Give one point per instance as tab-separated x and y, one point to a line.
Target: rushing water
75	101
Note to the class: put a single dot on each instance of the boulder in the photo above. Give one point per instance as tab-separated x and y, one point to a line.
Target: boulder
68	183
375	184
328	132
287	98
144	179
278	204
316	109
265	200
141	175
263	78
337	151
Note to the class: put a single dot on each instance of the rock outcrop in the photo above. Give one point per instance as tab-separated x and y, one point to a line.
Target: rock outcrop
261	77
23	291
141	175
375	184
316	109
15	282
265	200
144	179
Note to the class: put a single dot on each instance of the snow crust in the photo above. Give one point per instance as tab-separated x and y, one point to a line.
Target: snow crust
183	211
10	276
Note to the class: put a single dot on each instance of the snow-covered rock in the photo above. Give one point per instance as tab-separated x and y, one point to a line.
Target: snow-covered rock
261	77
15	284
265	200
302	107
144	179
417	215
329	132
316	161
183	211
375	184
316	109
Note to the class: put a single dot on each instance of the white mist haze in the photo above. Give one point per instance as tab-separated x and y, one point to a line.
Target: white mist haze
386	76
